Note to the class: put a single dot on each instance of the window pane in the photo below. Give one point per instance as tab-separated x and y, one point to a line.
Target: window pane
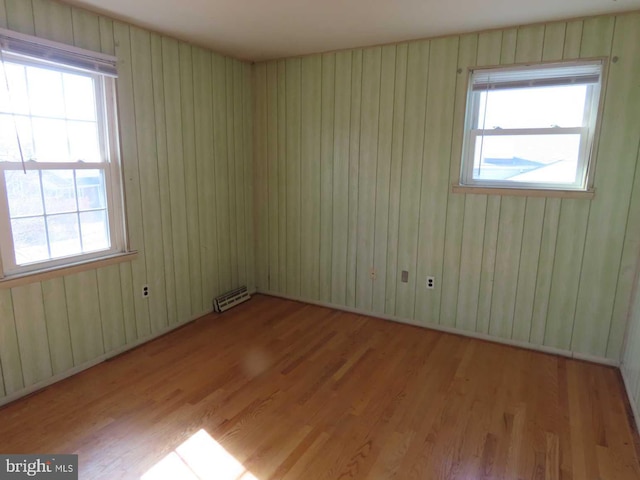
83	142
51	140
9	151
18	100
64	235
527	158
45	92
91	189
29	240
23	193
95	230
540	107
59	191
79	98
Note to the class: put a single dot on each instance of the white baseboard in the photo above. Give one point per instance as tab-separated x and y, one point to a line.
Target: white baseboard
455	331
632	401
91	363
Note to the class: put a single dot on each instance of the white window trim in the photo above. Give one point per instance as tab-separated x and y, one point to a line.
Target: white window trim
589	133
103	69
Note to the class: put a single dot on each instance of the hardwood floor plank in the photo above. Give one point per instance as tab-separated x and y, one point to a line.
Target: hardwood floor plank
295	391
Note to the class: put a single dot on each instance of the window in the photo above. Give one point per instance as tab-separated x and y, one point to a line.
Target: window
531	127
60	185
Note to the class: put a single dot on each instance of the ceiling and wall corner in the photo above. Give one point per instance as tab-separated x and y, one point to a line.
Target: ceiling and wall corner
269	29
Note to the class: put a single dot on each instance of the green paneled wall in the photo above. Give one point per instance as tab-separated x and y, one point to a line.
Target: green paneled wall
185	121
354	156
631	358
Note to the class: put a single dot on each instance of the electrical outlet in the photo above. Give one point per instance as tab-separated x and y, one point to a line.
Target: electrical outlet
431	283
372	273
145	291
404	276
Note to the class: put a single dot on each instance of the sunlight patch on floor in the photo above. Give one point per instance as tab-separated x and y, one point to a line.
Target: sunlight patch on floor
200	457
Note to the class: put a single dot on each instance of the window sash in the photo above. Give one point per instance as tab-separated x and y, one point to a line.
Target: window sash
9	263
581	169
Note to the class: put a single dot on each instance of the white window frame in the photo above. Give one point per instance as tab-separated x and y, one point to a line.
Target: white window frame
27	50
587	131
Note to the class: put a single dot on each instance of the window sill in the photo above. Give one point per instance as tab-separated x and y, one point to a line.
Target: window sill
49	273
523	192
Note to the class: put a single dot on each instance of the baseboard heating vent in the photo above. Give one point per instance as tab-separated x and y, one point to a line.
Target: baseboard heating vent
230	299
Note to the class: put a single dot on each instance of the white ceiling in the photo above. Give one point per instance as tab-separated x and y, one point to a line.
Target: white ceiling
266	29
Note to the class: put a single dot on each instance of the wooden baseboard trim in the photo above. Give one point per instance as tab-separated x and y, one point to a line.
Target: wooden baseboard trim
480	336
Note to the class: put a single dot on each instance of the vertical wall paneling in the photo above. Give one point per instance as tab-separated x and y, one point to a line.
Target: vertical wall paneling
395	180
107	42
128	304
292	185
31	330
204	167
262	170
272	241
221	171
390	128
412	164
190	174
631	355
327	115
20	16
128	141
310	201
341	177
147	162
173	117
53	21
625	281
508	249
239	147
163	187
83	307
9	351
176	172
280	187
248	101
620	120
451	267
354	168
366	180
231	171
435	212
111	307
86	30
3	24
57	318
383	176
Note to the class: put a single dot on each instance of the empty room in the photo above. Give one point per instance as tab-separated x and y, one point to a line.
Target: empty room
319	240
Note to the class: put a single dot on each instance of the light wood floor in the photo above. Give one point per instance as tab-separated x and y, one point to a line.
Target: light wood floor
294	391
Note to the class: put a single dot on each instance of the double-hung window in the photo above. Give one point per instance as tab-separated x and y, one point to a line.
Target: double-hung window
60	184
531	127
